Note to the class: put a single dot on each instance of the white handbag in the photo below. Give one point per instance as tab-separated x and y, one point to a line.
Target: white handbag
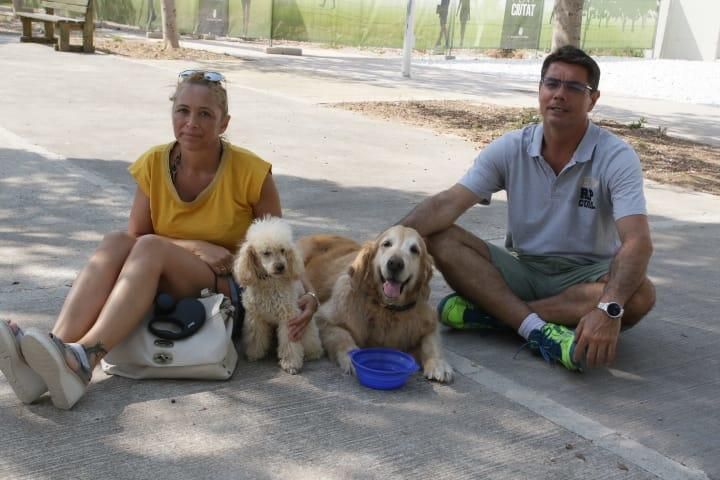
209	354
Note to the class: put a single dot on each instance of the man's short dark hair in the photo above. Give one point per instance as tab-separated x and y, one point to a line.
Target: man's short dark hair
574	56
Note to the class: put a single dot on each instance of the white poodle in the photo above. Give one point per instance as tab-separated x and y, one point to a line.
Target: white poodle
269	266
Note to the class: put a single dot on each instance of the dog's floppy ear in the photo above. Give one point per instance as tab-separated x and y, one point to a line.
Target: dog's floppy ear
294	262
420	288
247	268
361	269
426	273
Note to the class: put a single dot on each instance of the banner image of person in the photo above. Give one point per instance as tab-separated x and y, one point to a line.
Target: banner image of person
250	19
522	24
463	16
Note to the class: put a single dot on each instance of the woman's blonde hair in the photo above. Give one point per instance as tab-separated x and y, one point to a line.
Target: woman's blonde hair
201	77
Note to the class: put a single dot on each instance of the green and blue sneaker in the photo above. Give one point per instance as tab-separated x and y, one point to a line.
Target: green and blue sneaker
555	343
456	312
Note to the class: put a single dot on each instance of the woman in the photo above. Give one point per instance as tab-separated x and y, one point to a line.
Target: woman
195	199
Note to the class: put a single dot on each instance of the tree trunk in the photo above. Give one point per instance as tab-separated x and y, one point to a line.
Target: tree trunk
169	24
568	23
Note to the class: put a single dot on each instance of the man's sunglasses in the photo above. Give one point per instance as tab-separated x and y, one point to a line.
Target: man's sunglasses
552	83
215	77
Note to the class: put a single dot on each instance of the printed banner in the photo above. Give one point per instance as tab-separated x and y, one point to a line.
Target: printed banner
440	25
213	17
522	24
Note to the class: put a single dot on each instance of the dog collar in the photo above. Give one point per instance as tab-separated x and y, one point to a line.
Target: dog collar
399	308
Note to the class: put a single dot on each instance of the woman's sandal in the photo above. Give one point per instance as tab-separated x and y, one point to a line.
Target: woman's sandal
27	385
45	353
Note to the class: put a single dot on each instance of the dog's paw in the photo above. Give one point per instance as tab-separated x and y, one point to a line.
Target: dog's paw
290	366
345	364
439	370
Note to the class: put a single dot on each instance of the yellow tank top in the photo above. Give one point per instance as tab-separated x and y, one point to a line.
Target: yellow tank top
221	214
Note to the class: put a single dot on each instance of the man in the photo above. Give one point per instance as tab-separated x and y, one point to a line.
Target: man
578	241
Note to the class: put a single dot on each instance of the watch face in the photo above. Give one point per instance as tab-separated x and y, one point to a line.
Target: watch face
613	309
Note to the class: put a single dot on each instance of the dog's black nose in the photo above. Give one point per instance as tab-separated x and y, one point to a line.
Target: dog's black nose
395	264
279	267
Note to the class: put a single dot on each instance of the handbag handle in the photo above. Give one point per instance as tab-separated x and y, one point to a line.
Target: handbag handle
188	317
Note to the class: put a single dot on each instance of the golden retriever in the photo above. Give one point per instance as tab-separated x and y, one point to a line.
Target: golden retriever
375	295
269	267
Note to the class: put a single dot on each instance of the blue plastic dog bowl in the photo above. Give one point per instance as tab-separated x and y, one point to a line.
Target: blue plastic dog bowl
383	368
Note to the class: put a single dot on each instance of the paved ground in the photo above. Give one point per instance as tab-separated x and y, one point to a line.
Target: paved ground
70	125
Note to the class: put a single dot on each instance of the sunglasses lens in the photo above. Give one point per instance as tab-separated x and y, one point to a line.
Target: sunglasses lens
209	76
214	77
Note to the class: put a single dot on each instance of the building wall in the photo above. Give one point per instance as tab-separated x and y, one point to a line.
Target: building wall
689	30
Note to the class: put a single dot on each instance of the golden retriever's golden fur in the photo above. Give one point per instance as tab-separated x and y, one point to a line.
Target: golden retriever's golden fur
375	295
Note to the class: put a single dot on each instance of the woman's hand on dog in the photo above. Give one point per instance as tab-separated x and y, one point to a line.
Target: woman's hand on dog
308	305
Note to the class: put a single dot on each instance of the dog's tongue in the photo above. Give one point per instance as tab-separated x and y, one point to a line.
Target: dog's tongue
391	289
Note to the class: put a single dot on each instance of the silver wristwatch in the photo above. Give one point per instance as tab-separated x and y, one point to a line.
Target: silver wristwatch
612	309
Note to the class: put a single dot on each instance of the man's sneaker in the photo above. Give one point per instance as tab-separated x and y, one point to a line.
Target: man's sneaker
555	343
457	312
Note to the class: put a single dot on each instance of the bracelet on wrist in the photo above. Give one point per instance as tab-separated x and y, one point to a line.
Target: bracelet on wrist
314	295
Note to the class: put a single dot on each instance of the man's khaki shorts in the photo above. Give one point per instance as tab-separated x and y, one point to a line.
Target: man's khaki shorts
532	277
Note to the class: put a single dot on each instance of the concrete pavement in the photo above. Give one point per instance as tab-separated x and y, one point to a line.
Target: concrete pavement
72	123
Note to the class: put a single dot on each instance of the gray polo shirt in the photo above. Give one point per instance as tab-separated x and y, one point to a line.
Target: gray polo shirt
571	214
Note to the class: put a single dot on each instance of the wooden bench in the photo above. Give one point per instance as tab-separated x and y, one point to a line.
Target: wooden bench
83	12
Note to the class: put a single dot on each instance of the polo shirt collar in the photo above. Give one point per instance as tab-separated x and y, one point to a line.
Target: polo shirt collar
584	151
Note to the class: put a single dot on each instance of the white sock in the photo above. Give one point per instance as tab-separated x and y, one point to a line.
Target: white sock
531	322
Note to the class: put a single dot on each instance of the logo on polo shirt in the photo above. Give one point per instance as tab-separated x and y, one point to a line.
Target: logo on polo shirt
587	193
586	198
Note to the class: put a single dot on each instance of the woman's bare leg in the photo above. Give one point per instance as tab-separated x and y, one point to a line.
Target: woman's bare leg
154	264
92	287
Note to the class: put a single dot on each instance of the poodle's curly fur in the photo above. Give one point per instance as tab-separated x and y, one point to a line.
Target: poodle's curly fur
268	265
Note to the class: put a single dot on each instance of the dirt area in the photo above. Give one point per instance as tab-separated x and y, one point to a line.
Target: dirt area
140	48
664	158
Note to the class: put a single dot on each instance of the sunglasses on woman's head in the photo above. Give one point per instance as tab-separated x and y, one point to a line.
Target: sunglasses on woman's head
215	77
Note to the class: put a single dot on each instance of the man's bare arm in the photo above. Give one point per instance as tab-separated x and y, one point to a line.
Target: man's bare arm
596	333
629	266
440	211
